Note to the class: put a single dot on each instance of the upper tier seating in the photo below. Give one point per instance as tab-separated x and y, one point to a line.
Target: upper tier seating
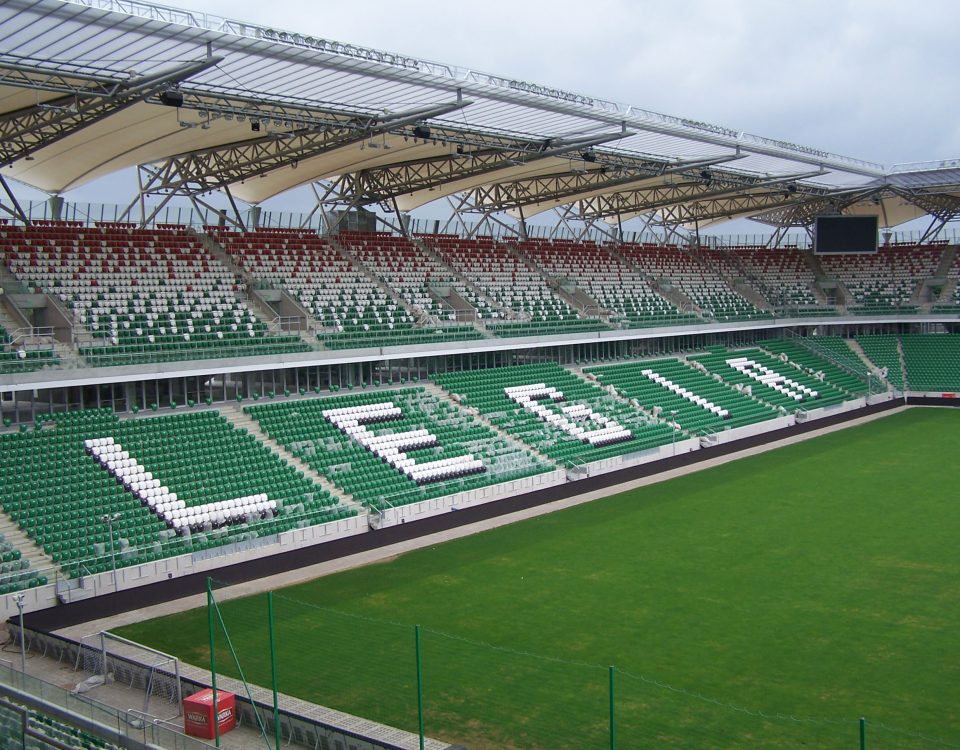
951	304
508	281
18	358
614	285
814	363
883	283
932	361
705	288
884	351
783	384
352	308
672	385
393	447
786	276
560	416
410	271
56	486
147	295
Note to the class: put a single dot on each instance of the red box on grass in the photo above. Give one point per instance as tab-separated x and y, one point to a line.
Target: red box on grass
198	713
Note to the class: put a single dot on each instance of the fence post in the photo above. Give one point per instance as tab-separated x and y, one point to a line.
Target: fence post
273	670
863	733
416	634
613	721
213	661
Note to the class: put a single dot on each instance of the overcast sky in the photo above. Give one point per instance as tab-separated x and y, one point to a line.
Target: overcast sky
876	79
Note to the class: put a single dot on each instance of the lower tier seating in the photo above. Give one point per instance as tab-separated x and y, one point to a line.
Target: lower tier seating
685	390
568	399
40	725
430	434
15	571
837	348
54	487
813	363
884	351
784	384
932	361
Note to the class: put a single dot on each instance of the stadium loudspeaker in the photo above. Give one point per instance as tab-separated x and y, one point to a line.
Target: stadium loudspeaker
171	98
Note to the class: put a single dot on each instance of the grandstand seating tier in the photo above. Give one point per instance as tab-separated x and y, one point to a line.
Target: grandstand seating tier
631	382
53	487
310	434
485	391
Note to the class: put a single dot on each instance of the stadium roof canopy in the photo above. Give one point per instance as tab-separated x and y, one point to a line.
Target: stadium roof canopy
202	103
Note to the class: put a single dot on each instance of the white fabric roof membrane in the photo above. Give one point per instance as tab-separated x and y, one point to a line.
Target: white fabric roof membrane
313	77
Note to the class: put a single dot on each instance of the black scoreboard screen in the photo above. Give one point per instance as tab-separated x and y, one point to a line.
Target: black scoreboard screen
845	234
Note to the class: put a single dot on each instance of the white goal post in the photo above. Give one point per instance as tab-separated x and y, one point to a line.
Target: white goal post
109	658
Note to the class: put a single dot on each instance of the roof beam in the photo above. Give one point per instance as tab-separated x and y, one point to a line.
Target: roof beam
214	168
26	131
567	187
734	206
465	162
707	186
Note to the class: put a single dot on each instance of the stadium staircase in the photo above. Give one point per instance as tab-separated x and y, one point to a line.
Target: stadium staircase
29	550
256	304
903	365
821	278
420	316
579	300
475	299
306	332
728	267
673	295
884	351
861	355
239	418
948	269
8	323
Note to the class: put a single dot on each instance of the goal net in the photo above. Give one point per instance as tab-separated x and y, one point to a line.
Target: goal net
113	662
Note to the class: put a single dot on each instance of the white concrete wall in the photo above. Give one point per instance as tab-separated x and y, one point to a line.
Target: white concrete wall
830	411
174	567
616	463
460	500
758	428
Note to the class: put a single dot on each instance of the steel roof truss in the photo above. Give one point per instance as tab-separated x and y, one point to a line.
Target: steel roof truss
382	183
26	131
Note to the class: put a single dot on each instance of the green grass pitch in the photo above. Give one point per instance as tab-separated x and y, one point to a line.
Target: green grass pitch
769	602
